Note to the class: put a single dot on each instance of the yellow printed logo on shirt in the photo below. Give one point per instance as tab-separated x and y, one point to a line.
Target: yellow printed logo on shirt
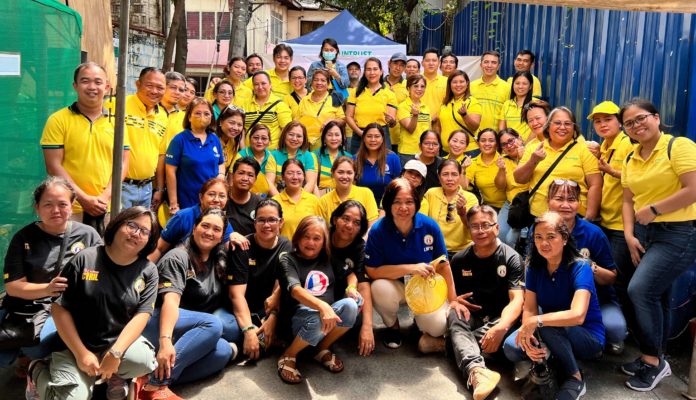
90	276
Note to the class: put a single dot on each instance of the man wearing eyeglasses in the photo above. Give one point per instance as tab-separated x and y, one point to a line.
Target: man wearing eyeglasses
488	279
241	205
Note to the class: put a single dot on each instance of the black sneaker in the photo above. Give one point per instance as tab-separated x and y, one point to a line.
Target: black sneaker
647	377
392	338
571	389
630	368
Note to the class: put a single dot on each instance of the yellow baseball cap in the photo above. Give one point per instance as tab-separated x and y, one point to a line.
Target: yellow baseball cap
605	107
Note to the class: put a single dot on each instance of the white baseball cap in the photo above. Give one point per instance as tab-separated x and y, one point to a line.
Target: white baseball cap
415	165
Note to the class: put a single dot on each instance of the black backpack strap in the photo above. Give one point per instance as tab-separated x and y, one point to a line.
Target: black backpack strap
551	168
256	121
669	147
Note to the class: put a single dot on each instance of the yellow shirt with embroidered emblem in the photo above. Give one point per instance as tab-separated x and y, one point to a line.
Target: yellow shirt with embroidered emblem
657	177
401	93
491	96
370	107
409	143
293	212
612	192
457	236
145	132
483	176
511	113
279	87
275	119
575	166
435	91
87	146
330	201
323	110
450	120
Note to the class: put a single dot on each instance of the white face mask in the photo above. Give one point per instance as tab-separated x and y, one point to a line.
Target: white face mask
328	55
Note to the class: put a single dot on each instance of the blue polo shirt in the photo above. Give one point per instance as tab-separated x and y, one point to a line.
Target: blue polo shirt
387	246
306	157
593	245
372	180
196	162
555	292
180	226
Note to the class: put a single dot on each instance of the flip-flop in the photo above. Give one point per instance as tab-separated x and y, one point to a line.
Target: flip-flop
331	364
282	366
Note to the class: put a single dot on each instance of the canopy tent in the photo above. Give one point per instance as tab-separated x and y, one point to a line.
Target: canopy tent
356	42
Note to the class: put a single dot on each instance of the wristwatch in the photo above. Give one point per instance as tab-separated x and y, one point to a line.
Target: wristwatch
117	354
654	210
539	323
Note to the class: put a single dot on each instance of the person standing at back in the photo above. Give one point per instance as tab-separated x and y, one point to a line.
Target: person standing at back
490	90
436	84
524	62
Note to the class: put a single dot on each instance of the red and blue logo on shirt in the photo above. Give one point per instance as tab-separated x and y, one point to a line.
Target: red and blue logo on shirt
316	283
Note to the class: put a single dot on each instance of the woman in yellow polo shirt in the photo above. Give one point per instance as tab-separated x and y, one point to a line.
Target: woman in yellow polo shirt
484	169
235	72
510	144
414	117
372	103
298	80
259	139
579	165
510	114
448	205
295	201
459	111
343	171
266	108
318	108
535	114
659	210
230	130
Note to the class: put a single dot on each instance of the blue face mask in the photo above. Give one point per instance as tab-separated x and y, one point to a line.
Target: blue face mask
328	55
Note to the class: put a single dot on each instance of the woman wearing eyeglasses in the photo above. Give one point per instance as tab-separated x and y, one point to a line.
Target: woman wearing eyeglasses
430	145
223	92
252	277
579	165
510	144
659	210
193	156
259	140
484	169
230	130
448	205
298	80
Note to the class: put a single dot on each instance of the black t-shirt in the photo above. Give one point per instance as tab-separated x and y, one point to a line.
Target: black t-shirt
350	259
241	216
431	178
316	276
258	268
201	291
103	297
33	254
489	279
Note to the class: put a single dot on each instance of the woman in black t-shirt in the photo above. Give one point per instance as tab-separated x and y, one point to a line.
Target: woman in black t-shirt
32	268
252	279
100	316
348	226
308	283
191	287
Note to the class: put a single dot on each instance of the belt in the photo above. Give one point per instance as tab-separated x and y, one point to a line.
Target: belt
139	182
676	223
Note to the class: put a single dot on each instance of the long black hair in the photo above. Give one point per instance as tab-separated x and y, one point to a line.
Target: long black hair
363	80
218	255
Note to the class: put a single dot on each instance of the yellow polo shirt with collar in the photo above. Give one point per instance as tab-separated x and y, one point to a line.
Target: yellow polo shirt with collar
483	176
323	110
146	131
611	207
536	85
451	120
575	166
511	113
657	177
175	125
330	201
275	119
279	87
409	143
512	188
457	236
491	96
435	91
370	107
401	93
293	212
87	147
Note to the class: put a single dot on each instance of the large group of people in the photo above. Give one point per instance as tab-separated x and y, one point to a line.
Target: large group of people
276	212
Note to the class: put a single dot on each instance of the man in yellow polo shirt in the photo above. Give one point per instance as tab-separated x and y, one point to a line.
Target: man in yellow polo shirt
146	124
280	75
490	90
396	83
525	62
436	84
77	144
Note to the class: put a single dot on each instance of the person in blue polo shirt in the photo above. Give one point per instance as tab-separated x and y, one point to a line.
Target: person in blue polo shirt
560	307
402	243
193	156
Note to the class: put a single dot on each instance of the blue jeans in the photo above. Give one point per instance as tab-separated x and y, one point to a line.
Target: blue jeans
670	249
614	323
507	234
307	325
134	195
200	350
42	350
231	331
564	344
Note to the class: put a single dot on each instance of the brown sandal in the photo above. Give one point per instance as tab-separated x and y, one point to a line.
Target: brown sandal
332	364
282	366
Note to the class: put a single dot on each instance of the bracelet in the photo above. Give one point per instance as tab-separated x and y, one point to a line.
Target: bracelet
273	312
248	328
165	337
351	287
